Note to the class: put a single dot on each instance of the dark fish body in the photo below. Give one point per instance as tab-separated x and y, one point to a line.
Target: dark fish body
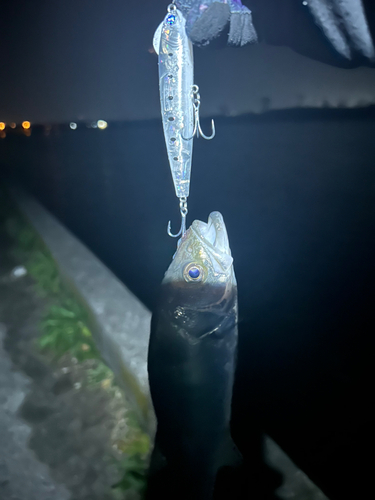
191	365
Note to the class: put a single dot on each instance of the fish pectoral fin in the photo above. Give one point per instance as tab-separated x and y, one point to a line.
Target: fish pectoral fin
158	461
157	475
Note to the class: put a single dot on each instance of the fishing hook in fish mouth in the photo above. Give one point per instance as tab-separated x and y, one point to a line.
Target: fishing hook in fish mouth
183	211
196	99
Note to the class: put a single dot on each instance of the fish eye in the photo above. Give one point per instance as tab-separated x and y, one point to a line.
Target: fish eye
193	272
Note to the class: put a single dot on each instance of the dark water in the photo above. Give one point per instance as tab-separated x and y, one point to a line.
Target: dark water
297	193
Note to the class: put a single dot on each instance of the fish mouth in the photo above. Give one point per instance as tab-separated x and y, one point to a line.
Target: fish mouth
205	245
213	233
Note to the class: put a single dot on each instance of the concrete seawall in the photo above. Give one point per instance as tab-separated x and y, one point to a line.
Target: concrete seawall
120	322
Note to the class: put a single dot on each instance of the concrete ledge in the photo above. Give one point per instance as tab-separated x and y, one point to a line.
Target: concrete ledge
121	327
121	323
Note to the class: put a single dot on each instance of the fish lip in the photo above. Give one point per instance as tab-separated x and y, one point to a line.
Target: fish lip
213	233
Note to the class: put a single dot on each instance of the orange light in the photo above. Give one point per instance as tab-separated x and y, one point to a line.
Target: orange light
13	125
2	125
26	125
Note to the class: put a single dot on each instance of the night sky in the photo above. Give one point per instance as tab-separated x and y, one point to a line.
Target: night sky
90	59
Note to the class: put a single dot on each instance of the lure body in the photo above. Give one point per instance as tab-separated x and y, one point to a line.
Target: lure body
176	79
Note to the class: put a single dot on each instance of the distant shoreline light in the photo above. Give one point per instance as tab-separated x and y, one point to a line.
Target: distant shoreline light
96	124
102	124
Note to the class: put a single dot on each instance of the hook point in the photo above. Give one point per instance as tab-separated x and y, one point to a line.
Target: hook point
170	232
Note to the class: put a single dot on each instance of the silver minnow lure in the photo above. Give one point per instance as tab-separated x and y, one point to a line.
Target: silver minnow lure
176	80
180	102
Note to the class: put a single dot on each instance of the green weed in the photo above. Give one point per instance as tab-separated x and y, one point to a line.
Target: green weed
101	373
136	449
64	329
135	476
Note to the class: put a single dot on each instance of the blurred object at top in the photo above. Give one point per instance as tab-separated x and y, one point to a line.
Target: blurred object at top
226	21
90	60
345	23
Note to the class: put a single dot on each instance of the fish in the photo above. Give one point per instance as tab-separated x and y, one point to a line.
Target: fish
191	365
209	20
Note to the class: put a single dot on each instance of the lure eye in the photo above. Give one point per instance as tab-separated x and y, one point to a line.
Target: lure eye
193	272
171	19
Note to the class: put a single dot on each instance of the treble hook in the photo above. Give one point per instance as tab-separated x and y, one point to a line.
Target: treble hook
183	211
196	98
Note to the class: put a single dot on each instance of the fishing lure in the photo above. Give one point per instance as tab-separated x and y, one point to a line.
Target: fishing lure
180	103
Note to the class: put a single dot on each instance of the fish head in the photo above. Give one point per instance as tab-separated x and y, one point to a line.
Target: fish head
199	290
203	258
